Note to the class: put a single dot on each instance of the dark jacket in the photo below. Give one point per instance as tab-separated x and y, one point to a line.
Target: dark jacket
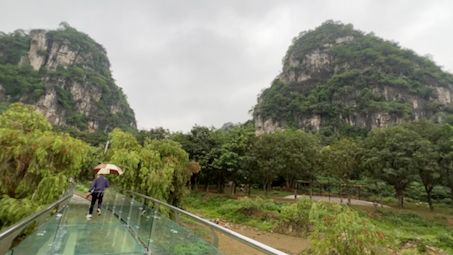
99	184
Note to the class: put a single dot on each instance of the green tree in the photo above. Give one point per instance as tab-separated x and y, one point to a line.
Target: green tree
231	163
389	156
446	164
342	161
158	133
299	150
203	146
430	158
266	154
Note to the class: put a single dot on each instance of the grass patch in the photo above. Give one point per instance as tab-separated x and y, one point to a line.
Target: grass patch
259	213
415	223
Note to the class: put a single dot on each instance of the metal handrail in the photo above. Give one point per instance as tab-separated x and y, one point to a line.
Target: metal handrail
246	240
8	235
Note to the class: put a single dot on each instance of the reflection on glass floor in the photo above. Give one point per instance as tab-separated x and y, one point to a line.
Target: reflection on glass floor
71	233
117	231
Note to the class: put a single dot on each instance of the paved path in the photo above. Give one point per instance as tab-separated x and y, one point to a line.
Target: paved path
337	200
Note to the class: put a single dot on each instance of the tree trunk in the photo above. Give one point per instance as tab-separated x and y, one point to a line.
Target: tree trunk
221	185
233	189
218	185
400	195
266	187
430	202
195	183
429	189
451	194
206	188
348	189
380	195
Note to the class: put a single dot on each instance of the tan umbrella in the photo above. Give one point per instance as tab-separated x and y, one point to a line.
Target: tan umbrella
108	169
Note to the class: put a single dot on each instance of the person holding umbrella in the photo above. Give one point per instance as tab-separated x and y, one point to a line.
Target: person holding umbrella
100	184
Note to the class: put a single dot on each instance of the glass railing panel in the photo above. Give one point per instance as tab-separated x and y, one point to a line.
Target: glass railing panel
109	199
127	210
168	237
145	224
119	205
42	240
135	215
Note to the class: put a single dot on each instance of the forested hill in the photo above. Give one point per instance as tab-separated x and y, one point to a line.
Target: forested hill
341	81
66	75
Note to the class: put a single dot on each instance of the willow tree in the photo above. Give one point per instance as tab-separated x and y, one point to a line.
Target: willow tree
159	169
35	163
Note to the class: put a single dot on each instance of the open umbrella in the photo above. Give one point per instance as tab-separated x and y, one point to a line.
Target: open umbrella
108	169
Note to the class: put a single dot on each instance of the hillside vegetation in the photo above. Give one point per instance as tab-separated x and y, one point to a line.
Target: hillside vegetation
340	81
66	75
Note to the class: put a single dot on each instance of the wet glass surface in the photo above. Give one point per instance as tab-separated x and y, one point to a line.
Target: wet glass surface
71	233
125	225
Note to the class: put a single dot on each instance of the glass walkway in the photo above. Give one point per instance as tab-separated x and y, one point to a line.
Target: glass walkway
69	232
130	224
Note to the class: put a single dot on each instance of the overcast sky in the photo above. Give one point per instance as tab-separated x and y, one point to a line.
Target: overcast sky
182	63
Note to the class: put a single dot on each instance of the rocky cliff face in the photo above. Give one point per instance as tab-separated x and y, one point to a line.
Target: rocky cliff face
339	80
77	89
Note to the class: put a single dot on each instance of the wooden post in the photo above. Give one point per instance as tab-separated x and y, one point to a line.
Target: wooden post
295	190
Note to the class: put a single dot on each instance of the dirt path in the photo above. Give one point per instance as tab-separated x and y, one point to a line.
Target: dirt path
289	244
338	200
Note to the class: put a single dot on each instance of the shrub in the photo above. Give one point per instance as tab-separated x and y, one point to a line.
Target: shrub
338	229
295	217
298	211
446	201
258	203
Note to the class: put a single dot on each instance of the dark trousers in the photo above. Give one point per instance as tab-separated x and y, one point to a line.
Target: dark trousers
97	195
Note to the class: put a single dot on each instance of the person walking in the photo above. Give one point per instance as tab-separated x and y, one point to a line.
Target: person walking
97	192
